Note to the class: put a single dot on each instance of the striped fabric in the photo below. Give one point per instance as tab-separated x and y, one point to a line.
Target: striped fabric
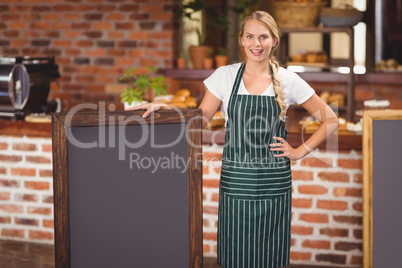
255	191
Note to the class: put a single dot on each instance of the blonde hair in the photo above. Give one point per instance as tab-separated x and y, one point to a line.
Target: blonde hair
266	18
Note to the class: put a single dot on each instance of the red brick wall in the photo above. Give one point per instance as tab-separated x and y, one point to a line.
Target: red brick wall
26	191
94	41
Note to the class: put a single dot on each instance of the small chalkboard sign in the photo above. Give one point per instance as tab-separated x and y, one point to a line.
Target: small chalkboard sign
382	184
128	190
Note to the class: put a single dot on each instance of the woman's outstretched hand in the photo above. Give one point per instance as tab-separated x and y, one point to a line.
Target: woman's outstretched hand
149	107
287	150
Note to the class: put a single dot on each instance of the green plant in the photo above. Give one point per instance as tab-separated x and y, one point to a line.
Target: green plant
182	54
244	7
140	83
210	52
222	51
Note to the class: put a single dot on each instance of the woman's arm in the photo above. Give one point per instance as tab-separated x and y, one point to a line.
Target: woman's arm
209	105
329	124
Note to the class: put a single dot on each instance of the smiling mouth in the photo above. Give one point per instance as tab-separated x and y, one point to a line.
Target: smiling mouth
256	52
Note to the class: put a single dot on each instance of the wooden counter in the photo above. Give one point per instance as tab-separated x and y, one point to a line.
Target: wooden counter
21	128
346	140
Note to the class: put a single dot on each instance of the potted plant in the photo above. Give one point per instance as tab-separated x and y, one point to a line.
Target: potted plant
193	10
141	81
221	59
181	60
209	61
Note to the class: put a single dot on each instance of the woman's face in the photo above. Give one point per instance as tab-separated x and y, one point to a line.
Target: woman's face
257	41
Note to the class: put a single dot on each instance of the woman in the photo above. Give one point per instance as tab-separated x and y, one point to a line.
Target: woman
255	185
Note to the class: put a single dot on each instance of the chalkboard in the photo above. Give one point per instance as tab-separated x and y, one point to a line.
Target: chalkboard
382	183
128	190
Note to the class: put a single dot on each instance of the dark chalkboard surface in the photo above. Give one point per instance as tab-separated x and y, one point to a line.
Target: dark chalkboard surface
387	197
128	195
382	147
123	212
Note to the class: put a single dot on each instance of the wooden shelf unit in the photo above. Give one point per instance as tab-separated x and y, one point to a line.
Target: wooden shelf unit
350	62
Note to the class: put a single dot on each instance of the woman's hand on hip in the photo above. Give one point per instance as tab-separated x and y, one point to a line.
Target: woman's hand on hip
149	107
287	150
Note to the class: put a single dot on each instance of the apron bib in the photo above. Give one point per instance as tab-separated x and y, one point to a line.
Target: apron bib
255	190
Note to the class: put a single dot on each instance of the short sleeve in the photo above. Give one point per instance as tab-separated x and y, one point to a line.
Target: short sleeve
296	89
214	82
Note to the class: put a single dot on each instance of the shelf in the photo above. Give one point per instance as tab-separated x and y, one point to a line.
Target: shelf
325	30
350	77
308	64
330	64
391	78
188	74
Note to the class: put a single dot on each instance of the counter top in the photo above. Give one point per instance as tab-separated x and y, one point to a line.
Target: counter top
346	141
21	128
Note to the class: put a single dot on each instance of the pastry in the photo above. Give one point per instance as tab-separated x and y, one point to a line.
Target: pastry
179	98
299	57
336	99
190	102
325	96
317	57
183	92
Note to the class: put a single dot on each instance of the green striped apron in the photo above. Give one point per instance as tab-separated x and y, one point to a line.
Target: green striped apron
255	190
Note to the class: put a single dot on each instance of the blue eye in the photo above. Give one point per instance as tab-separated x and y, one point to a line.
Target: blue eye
264	37
249	37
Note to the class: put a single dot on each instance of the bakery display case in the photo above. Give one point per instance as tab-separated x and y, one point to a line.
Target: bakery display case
322	60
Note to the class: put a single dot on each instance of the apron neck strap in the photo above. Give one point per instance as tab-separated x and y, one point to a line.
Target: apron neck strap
271	71
239	76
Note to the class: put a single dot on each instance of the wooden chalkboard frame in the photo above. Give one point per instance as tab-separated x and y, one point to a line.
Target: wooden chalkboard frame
60	124
368	118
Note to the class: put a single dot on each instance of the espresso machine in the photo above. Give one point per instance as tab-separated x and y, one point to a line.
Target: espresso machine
25	85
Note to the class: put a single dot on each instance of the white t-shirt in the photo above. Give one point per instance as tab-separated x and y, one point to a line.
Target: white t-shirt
220	84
